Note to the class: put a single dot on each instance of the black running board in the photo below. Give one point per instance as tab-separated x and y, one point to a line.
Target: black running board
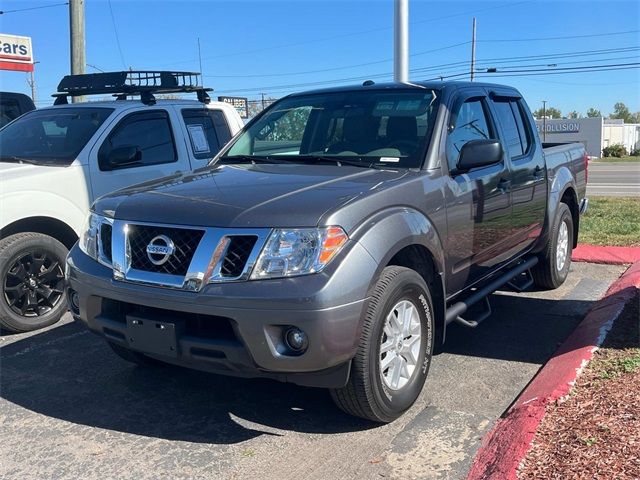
455	311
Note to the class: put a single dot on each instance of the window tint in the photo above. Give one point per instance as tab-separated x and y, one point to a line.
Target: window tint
523	125
202	132
221	126
52	136
150	132
471	124
9	110
511	140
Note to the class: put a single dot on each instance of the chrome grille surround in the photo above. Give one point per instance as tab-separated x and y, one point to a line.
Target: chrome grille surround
205	265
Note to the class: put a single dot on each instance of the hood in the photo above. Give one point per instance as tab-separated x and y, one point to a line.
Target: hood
12	175
245	196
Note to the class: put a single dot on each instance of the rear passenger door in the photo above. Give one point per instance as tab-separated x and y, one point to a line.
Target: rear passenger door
478	200
205	131
528	171
152	133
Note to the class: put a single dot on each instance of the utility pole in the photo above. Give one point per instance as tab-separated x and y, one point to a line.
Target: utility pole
76	30
401	41
31	81
262	100
473	50
544	120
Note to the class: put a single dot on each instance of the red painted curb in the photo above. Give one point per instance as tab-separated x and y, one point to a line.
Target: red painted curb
505	446
608	255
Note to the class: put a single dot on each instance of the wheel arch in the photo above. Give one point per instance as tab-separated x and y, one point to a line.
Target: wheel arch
41	224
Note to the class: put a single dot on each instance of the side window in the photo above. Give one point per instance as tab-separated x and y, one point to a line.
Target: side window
202	131
150	132
524	127
507	120
471	124
221	126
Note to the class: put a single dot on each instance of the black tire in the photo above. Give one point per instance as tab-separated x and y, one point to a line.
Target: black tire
32	292
366	395
545	273
134	357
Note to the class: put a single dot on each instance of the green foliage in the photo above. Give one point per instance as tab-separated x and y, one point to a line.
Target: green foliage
615	150
574	114
620	110
593	112
611	221
550	112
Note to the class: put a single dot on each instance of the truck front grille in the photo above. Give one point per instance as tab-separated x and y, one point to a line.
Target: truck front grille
185	243
105	240
238	252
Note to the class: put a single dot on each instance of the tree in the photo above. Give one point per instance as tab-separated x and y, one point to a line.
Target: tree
593	112
550	113
574	114
620	110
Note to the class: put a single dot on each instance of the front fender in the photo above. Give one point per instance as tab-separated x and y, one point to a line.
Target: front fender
387	232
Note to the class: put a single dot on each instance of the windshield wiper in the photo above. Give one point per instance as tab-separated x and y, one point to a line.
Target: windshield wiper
248	158
338	161
14	159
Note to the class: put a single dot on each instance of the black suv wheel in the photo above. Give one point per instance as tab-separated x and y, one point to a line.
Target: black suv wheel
32	281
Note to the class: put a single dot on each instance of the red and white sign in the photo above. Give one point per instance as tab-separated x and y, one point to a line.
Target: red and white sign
16	53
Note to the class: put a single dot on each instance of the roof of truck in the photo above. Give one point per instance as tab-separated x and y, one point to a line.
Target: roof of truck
436	85
127	104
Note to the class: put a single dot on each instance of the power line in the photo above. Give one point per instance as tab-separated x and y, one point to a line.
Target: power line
273	88
611	34
288	74
3	12
115	30
352	34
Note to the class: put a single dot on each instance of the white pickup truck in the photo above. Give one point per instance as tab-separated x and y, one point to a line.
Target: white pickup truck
55	161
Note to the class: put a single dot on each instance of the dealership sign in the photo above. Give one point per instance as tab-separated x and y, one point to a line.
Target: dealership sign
239	103
558	127
16	53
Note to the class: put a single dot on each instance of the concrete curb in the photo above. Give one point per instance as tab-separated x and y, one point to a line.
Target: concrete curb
607	255
505	446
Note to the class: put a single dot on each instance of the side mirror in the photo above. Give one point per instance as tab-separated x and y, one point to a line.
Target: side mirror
479	153
120	157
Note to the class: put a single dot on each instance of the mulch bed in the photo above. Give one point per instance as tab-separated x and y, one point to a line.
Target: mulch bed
595	432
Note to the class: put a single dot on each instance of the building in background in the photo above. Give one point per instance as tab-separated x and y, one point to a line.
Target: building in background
595	133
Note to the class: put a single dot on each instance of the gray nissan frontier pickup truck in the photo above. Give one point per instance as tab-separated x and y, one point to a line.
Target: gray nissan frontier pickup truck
332	241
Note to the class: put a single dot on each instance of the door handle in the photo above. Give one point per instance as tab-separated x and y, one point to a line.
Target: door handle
504	185
538	173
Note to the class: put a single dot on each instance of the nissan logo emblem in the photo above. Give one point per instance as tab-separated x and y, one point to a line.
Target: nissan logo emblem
159	250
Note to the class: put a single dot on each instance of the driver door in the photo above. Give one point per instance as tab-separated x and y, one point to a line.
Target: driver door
478	200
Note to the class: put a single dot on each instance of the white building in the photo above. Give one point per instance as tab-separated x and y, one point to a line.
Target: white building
595	133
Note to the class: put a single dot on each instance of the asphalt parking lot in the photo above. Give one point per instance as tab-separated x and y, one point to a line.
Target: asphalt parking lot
71	409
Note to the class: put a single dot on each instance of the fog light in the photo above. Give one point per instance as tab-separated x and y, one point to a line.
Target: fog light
296	340
74	301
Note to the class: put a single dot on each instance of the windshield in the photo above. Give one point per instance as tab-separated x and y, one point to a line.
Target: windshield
366	127
52	136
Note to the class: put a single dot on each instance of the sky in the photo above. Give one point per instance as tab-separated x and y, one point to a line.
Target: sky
278	47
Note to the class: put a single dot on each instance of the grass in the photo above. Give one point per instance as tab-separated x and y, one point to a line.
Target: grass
611	221
627	158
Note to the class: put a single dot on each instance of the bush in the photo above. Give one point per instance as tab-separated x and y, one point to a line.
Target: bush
635	152
615	150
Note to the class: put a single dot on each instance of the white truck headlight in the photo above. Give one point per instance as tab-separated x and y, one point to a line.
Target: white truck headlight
88	242
299	251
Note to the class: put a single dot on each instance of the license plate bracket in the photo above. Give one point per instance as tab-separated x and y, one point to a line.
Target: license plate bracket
152	336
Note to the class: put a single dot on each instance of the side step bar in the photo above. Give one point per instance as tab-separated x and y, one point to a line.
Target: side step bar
455	311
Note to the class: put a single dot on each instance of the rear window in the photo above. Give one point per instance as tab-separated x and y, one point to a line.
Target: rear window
52	136
208	131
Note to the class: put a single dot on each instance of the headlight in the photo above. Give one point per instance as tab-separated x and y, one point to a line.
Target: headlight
89	239
290	252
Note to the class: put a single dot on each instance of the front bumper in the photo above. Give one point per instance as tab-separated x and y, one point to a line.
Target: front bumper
237	328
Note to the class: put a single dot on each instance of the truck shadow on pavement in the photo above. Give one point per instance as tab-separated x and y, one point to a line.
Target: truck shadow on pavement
68	373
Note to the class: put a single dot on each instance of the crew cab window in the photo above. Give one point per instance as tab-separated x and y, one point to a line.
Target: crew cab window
150	132
524	126
471	123
507	120
207	129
